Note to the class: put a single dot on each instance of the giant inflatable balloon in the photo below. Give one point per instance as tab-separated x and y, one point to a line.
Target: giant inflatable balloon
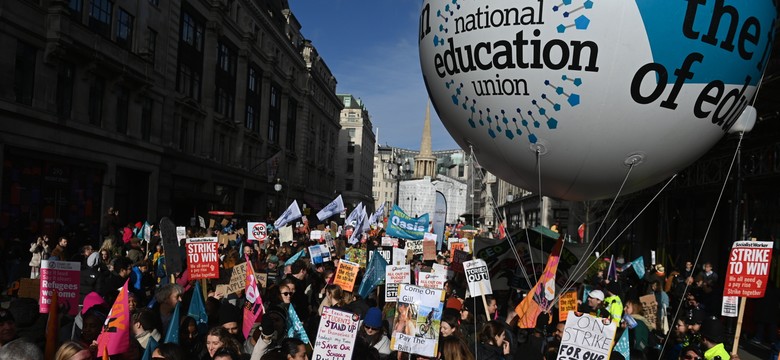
582	91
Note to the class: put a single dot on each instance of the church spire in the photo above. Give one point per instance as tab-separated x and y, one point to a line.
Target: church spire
425	162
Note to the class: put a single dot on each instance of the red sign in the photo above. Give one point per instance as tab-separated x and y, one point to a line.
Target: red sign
202	258
748	269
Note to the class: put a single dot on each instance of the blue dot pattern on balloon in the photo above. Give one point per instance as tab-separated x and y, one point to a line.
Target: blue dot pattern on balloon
476	117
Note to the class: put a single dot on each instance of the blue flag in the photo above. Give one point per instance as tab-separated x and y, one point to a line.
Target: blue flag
172	334
295	326
401	225
375	274
622	345
294	257
197	309
639	266
150	347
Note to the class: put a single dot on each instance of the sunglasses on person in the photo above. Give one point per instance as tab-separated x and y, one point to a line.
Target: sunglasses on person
371	328
287	293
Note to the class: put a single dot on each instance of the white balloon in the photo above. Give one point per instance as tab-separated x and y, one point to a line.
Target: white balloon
580	90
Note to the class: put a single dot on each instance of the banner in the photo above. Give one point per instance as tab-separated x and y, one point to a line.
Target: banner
748	269
542	294
567	302
416	323
404	226
292	213
202	258
395	275
335	207
295	326
346	274
439	220
586	338
319	254
639	267
256	231
65	277
335	335
478	277
115	336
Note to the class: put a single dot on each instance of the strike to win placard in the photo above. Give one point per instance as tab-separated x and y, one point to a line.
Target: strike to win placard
202	258
748	269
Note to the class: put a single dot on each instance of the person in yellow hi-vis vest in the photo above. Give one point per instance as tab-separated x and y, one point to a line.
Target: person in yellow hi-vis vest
612	302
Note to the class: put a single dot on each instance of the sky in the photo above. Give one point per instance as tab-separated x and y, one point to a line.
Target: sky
371	48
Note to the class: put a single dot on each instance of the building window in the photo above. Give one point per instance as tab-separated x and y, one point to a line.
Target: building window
155	3
226	59
122	108
64	90
100	13
75	9
24	72
183	134
292	119
350	165
250	117
192	32
96	93
349	184
225	103
351	133
274	114
151	44
124	29
351	147
252	80
188	81
146	118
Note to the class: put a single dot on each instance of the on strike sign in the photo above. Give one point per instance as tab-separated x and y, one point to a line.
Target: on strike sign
202	258
748	269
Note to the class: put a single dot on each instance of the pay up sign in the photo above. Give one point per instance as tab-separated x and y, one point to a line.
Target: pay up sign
202	258
748	269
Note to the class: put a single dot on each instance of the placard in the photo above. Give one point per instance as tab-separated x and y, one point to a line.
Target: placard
417	319
203	258
237	280
257	231
394	276
181	233
346	273
567	302
477	277
335	335
459	257
748	269
399	256
429	249
586	337
65	277
316	235
730	306
431	280
456	246
285	234
319	254
356	255
387	254
388	241
649	307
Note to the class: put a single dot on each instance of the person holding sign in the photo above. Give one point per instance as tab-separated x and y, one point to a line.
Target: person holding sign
373	332
492	342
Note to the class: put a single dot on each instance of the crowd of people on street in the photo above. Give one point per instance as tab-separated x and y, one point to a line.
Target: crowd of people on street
684	323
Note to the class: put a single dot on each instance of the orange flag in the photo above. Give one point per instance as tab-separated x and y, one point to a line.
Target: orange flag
115	336
543	292
52	326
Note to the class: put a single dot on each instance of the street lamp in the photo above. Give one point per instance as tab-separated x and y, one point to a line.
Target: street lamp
398	170
278	189
508	207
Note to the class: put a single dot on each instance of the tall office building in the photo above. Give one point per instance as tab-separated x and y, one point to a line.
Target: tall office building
355	161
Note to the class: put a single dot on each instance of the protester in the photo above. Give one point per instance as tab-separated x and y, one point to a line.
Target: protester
373	332
71	350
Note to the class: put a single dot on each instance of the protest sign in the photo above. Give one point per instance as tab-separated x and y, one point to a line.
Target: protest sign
257	231
586	337
388	241
181	233
316	235
237	280
416	246
65	277
223	239
399	256
417	319
262	279
439	269
346	274
748	269
432	280
429	249
730	306
319	254
285	234
649	307
458	258
456	246
567	302
478	277
356	255
202	258
335	335
394	276
386	252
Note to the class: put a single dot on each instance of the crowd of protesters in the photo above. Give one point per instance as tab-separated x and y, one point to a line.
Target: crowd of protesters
686	323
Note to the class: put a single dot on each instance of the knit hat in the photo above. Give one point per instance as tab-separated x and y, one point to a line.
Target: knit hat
454	303
596	294
373	318
229	313
91	300
695	316
712	329
5	315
